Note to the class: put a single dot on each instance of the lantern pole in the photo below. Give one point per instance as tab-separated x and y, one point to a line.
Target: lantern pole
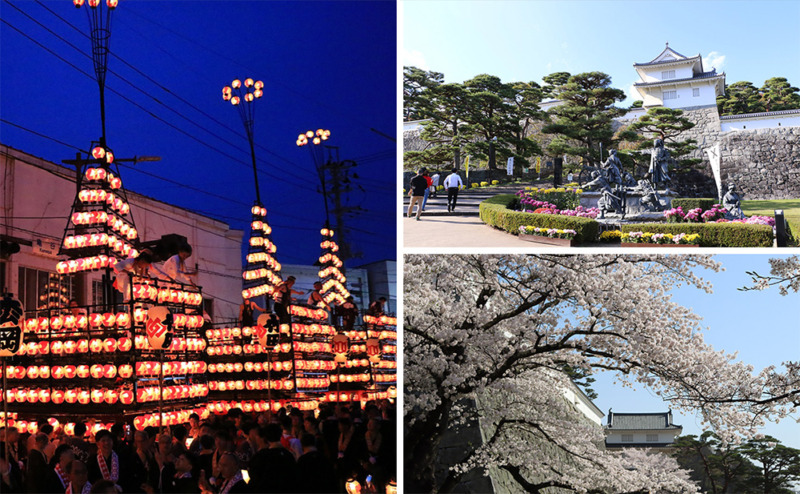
269	378
248	91
5	411
161	390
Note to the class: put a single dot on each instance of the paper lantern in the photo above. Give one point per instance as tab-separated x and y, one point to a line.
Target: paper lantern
124	344
109	345
96	371
57	372
96	395
109	371
110	396
126	397
125	371
57	396
159	321
82	371
84	397
44	371
96	345
69	371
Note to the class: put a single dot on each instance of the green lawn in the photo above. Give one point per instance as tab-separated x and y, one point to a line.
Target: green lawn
791	209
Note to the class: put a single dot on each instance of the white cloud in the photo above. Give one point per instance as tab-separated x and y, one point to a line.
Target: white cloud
414	58
632	93
715	60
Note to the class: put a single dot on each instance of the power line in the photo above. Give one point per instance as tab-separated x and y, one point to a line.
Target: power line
150	96
304	95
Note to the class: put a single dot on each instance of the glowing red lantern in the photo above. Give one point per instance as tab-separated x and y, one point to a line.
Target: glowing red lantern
57	396
96	395
110	396
125	371
126	397
57	372
82	371
96	371
96	345
69	371
109	345
83	346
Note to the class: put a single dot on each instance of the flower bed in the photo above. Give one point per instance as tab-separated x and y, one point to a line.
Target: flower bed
728	234
498	211
562	198
650	238
548	236
609	236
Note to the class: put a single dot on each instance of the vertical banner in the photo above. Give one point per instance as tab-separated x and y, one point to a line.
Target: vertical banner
510	166
539	164
715	159
466	168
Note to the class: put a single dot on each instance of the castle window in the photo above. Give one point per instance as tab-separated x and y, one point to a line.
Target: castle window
695	91
627	438
652	438
669	95
667	74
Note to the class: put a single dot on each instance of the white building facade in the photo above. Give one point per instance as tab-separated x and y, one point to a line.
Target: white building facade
37	197
676	81
641	430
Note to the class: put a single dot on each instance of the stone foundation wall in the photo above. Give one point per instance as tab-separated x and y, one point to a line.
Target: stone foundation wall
764	163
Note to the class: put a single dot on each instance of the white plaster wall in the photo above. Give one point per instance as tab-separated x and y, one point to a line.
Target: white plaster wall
760	123
615	437
37	201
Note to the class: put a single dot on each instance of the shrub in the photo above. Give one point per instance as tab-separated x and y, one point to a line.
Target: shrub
498	211
712	234
473	186
688	203
495	182
484	184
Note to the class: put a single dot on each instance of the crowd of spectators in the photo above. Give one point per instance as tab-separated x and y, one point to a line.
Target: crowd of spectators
291	451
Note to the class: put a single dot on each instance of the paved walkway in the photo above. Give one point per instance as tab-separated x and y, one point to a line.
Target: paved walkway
455	231
467	202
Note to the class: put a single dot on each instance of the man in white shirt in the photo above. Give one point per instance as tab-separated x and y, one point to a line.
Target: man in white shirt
175	266
451	184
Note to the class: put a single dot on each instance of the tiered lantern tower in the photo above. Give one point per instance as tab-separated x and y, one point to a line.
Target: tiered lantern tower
261	271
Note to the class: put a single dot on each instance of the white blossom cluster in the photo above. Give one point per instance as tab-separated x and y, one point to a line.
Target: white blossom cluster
493	330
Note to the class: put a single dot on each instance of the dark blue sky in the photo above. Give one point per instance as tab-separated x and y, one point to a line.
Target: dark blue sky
324	64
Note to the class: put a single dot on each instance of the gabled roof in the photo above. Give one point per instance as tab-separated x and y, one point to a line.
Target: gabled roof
704	75
759	115
669	56
641	421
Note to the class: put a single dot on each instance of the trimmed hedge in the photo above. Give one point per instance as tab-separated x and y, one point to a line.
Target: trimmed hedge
498	211
689	203
713	234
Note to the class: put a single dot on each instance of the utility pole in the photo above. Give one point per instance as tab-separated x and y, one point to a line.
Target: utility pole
340	185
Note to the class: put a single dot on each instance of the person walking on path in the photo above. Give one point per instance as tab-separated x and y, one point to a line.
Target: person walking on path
452	184
435	179
427	190
418	187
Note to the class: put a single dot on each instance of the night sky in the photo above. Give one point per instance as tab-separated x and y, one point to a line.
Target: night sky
325	65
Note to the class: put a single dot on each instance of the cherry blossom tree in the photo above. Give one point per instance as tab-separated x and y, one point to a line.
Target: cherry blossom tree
785	273
486	337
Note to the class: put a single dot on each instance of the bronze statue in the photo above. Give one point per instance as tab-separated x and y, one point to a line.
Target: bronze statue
660	160
732	203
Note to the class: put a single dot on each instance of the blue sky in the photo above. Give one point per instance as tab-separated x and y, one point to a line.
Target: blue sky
324	64
761	326
519	40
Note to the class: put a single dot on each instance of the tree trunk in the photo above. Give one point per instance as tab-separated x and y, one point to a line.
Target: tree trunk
456	151
422	455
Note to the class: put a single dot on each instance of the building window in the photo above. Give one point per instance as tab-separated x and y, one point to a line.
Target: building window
42	290
695	91
627	438
667	74
652	438
669	95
